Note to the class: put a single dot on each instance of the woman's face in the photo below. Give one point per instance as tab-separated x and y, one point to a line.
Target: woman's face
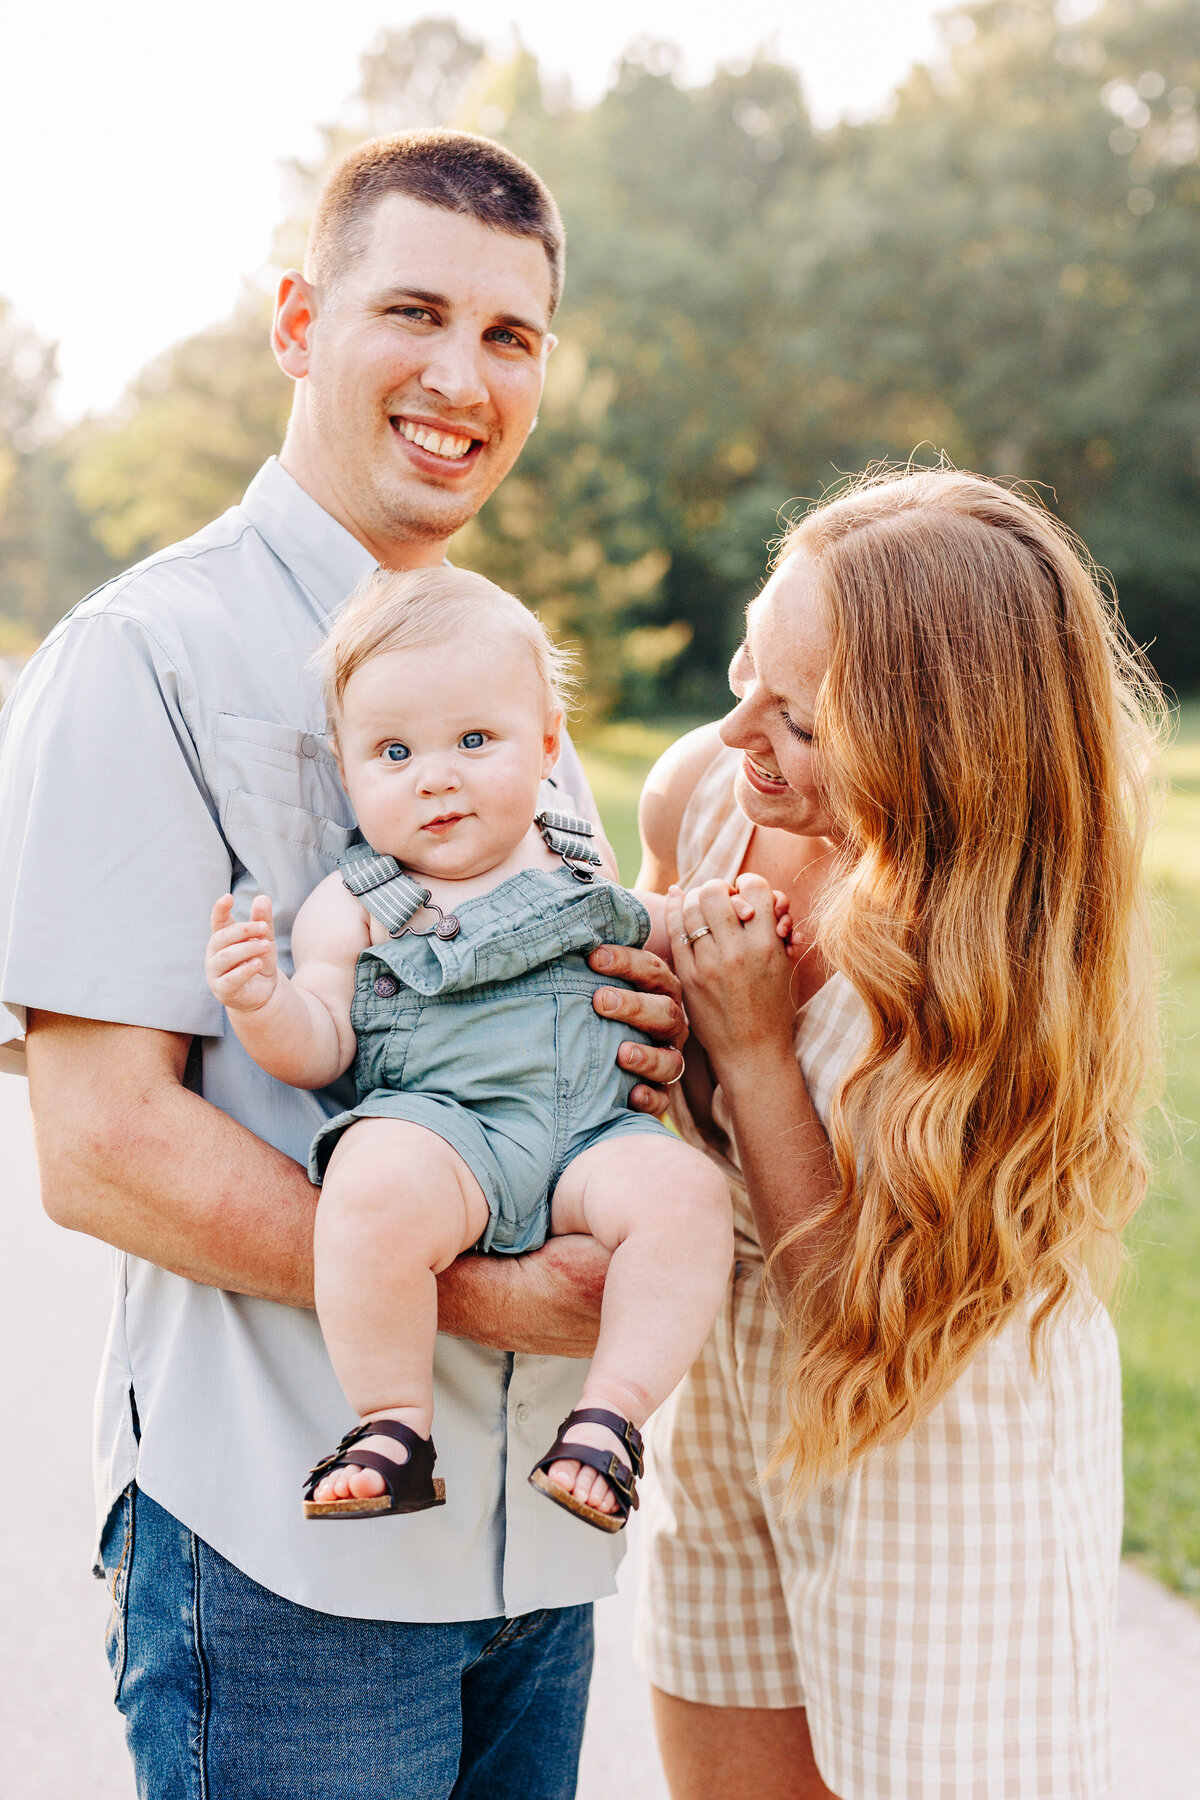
775	675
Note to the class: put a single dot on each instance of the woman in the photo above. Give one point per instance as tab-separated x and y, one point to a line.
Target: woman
886	1538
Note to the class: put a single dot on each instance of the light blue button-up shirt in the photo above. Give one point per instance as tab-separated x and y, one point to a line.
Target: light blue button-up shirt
167	741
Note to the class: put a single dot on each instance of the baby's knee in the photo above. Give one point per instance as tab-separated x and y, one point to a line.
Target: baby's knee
691	1195
703	1196
400	1182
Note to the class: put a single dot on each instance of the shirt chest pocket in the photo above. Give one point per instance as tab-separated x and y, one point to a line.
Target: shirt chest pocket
284	811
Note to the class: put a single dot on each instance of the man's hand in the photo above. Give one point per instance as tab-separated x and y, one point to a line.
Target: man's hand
655	1007
546	1303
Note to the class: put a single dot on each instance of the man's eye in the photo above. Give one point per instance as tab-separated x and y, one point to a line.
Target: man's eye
472	740
396	753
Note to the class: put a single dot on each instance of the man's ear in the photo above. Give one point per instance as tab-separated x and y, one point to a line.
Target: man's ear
551	742
295	315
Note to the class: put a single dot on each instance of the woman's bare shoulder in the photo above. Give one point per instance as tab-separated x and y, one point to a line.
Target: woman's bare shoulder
669	786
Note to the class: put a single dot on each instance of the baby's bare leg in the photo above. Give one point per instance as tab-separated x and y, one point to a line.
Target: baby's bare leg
663	1210
398	1205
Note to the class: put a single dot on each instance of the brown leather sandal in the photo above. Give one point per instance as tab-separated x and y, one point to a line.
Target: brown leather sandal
619	1476
411	1486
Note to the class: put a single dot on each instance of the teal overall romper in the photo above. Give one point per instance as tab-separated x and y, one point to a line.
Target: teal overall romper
489	1037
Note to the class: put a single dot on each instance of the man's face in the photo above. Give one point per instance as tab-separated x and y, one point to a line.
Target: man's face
424	370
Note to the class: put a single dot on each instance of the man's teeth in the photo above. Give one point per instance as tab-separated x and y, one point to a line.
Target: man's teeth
439	443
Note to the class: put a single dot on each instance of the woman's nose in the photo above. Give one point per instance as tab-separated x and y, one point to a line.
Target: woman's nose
736	728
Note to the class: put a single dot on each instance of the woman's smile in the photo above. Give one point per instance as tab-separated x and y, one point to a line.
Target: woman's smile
763	779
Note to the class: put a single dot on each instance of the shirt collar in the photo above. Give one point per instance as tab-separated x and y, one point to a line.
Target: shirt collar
323	556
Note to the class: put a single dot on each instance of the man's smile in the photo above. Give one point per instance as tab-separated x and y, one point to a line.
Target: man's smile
455	447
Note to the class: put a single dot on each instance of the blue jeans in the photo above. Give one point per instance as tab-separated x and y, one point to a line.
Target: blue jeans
231	1693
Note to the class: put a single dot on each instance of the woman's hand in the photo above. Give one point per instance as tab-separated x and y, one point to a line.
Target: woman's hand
735	970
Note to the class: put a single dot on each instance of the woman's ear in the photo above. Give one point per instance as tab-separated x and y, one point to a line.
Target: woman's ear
551	742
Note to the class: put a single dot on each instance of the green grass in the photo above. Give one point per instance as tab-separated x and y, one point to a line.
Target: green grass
1158	1309
1158	1314
617	759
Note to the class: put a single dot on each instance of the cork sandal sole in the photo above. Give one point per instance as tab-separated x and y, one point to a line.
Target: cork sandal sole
589	1514
411	1486
380	1507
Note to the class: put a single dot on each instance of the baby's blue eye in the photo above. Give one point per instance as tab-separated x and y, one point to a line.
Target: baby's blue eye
397	752
472	740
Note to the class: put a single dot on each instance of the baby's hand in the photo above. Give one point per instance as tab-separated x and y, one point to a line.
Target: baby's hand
241	964
783	919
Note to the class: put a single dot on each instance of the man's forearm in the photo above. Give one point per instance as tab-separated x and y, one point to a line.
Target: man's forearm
130	1156
544	1304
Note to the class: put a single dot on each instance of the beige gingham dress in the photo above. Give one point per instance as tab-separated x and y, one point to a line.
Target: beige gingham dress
946	1612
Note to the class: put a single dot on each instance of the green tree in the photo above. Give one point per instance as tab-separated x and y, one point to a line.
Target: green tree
46	548
1004	268
189	436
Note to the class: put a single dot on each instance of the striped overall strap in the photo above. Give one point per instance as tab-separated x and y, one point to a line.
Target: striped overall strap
385	890
568	836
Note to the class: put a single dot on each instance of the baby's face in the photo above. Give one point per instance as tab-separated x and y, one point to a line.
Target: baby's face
442	750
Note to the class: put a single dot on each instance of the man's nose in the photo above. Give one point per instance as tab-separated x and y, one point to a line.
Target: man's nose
454	370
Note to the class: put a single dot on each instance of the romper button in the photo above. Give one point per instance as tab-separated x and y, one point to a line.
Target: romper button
522	1414
308	744
385	986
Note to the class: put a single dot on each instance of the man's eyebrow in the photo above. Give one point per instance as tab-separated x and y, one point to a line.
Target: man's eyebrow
519	324
400	292
389	295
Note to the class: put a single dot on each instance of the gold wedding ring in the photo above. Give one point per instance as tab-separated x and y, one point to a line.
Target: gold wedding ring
689	937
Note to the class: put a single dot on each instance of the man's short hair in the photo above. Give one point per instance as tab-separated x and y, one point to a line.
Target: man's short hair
455	170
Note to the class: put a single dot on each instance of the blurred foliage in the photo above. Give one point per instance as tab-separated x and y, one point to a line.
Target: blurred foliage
48	556
194	428
1004	267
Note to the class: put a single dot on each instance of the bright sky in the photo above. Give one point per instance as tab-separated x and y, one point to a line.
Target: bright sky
141	140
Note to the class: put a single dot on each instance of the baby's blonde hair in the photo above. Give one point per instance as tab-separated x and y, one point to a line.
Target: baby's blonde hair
410	609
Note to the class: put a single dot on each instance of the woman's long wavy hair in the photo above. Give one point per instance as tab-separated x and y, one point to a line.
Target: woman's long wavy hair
985	737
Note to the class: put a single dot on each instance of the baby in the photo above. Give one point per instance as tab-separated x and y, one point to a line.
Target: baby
446	960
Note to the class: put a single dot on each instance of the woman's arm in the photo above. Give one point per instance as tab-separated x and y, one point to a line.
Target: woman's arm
669	786
737	987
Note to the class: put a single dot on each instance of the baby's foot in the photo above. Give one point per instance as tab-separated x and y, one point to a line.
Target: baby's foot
355	1483
584	1483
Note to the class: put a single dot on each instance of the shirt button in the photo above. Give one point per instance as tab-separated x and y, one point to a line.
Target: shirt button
385	986
522	1414
308	744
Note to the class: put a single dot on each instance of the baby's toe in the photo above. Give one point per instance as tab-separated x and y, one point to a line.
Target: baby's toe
600	1496
366	1484
563	1475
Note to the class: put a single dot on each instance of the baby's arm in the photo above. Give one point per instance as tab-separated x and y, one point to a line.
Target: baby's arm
659	940
298	1030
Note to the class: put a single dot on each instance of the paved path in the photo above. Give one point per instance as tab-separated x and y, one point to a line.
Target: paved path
59	1735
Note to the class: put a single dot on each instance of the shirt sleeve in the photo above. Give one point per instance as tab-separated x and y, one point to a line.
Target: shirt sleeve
110	851
572	783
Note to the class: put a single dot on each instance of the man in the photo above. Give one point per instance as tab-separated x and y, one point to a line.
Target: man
166	741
